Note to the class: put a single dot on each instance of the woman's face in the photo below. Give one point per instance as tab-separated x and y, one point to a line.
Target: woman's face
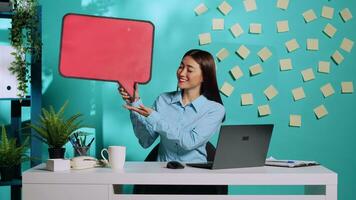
189	74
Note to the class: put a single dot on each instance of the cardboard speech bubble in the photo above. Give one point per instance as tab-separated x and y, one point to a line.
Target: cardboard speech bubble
109	49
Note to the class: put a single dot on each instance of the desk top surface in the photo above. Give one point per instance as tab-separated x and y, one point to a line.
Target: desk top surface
157	173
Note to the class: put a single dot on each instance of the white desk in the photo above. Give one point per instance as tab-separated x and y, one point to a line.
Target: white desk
320	182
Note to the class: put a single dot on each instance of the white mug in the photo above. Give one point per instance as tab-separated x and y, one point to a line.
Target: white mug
116	156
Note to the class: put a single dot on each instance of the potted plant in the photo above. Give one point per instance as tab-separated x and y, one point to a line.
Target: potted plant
11	155
26	40
55	130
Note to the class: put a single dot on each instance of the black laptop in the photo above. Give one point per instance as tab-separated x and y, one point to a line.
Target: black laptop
240	146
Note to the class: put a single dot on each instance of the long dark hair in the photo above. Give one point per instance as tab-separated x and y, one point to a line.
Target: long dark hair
209	87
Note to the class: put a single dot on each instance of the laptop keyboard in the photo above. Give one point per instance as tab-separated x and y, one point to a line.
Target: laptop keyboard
208	165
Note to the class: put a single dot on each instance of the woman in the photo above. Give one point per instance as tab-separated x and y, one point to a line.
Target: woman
185	119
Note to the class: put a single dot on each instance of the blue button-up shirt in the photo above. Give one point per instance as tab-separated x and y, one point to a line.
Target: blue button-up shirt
184	130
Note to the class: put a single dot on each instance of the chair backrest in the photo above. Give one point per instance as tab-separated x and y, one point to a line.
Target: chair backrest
210	150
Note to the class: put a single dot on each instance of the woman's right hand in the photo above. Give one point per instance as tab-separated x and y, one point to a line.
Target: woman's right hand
125	95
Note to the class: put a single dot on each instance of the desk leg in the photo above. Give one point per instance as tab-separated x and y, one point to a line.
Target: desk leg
16	192
330	191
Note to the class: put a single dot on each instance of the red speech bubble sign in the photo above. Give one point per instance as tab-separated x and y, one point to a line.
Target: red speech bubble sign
110	49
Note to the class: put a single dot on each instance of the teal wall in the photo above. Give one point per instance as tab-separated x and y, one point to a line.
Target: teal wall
329	140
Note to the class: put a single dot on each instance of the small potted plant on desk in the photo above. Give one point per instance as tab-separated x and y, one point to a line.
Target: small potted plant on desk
11	155
55	130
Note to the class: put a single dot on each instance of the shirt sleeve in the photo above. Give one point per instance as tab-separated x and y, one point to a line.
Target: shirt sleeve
145	135
189	139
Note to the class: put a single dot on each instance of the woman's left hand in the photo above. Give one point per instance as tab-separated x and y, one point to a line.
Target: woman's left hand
142	110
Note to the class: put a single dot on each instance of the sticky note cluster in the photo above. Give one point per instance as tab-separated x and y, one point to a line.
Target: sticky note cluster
246	99
264	110
250	5
224	8
282	4
243	52
292	45
295	120
236	72
308	74
327	90
337	57
285	64
236	30
312	44
270	92
347	45
255	28
255	69
218	24
282	26
200	9
324	67
329	30
346	14
309	16
347	87
327	12
320	111
204	38
298	93
227	89
222	54
264	54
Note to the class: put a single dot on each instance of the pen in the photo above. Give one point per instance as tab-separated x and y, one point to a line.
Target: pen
91	141
282	161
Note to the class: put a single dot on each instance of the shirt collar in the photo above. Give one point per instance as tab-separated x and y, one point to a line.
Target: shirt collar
197	104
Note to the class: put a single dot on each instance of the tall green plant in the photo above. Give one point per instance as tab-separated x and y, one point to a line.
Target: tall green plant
10	153
25	38
54	129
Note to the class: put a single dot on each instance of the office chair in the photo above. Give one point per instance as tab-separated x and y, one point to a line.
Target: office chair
181	189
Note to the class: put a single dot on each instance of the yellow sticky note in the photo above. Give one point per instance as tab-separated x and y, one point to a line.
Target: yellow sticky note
327	12
270	92
246	99
312	44
298	93
347	45
309	15
295	120
264	110
255	28
236	72
337	57
285	64
308	75
243	51
250	5
327	90
346	14
218	24
264	54
330	30
200	9
256	69
347	87
292	45
320	111
282	4
236	30
324	67
224	8
204	38
227	89
282	26
222	54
